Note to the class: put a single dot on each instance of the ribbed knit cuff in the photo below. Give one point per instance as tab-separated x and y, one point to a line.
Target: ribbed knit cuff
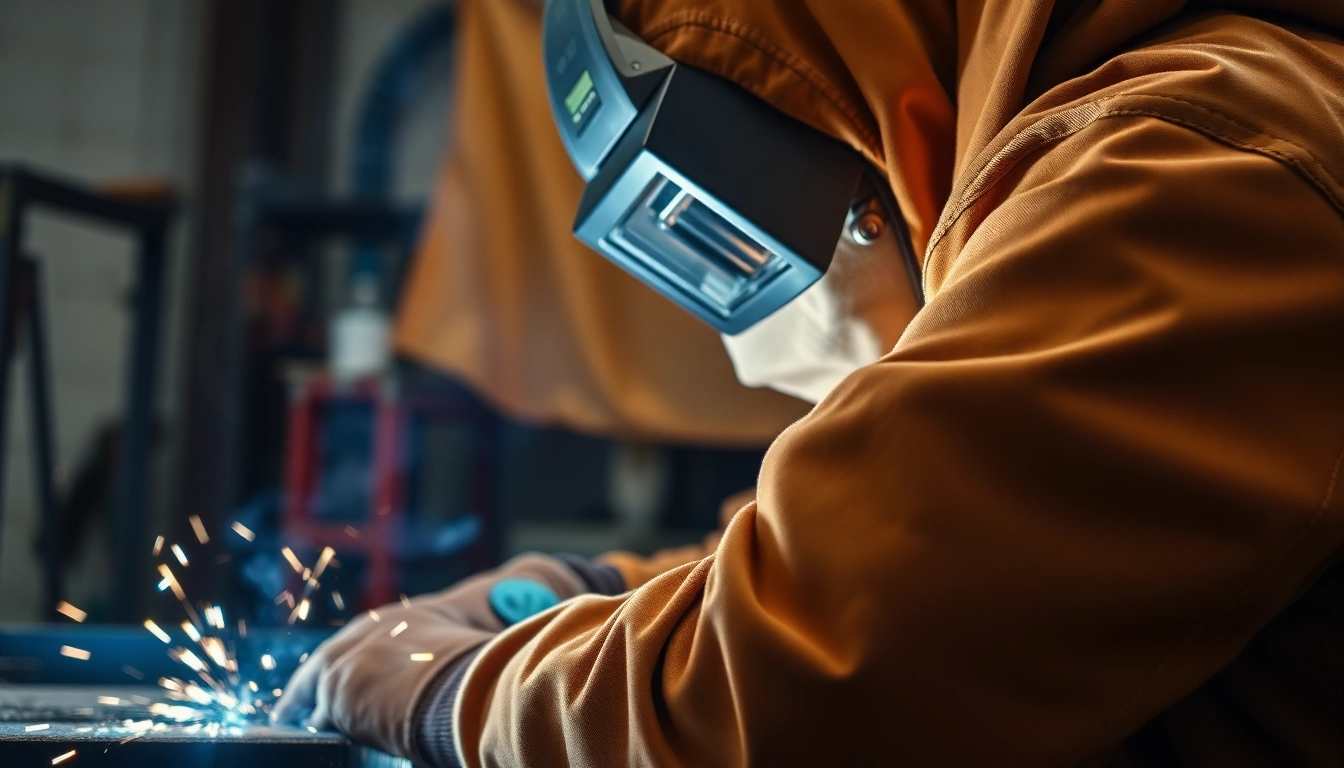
600	579
437	742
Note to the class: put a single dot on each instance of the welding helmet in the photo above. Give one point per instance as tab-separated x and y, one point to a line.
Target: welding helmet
700	190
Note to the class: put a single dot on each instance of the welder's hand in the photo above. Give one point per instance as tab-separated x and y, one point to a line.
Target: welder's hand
366	680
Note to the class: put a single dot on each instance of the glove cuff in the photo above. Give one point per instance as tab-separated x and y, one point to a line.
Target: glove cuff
599	578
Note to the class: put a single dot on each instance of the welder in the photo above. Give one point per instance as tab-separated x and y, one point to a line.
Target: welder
1081	508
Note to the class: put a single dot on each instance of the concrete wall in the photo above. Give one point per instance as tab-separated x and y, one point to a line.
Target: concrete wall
95	91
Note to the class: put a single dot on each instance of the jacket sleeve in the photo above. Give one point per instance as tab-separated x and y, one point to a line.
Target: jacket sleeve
638	570
1102	458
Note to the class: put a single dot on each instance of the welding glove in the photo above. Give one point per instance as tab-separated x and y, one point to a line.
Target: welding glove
367	680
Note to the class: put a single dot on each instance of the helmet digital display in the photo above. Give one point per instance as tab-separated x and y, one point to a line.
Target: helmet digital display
583	102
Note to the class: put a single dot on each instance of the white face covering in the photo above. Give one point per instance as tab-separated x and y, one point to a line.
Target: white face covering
849	318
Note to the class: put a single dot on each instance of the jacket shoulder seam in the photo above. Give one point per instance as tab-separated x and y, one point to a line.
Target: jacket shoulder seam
1063	124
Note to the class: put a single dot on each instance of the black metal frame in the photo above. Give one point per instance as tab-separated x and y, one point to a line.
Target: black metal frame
21	190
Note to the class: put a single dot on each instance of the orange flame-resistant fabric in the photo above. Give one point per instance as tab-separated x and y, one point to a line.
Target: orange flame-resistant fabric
1087	510
503	296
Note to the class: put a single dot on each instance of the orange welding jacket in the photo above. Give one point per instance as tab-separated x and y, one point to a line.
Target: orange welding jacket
503	296
1087	511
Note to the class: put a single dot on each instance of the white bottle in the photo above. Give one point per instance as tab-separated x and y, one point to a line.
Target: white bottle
360	345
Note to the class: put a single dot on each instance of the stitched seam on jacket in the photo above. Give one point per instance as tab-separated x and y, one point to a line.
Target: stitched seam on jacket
778	54
1323	184
1002	163
1250	588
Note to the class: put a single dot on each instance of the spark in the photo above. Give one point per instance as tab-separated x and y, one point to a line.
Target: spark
244	531
167	574
336	598
66	609
278	692
323	561
132	671
159	633
201	535
190	659
174	711
75	653
39	727
214	648
62	758
109	700
422	657
374	615
406	601
293	561
303	658
158	546
311	729
352	531
300	611
219	696
399	629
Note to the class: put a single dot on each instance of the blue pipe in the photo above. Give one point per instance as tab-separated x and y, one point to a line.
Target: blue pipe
394	86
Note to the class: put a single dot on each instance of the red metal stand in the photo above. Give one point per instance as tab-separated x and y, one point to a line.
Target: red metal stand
375	537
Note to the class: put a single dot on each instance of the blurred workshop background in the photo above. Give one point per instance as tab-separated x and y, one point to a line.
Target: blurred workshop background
210	212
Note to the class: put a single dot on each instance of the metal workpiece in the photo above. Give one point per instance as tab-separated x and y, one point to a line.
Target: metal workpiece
100	692
91	690
115	727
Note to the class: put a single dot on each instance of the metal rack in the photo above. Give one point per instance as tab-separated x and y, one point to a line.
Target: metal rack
21	191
